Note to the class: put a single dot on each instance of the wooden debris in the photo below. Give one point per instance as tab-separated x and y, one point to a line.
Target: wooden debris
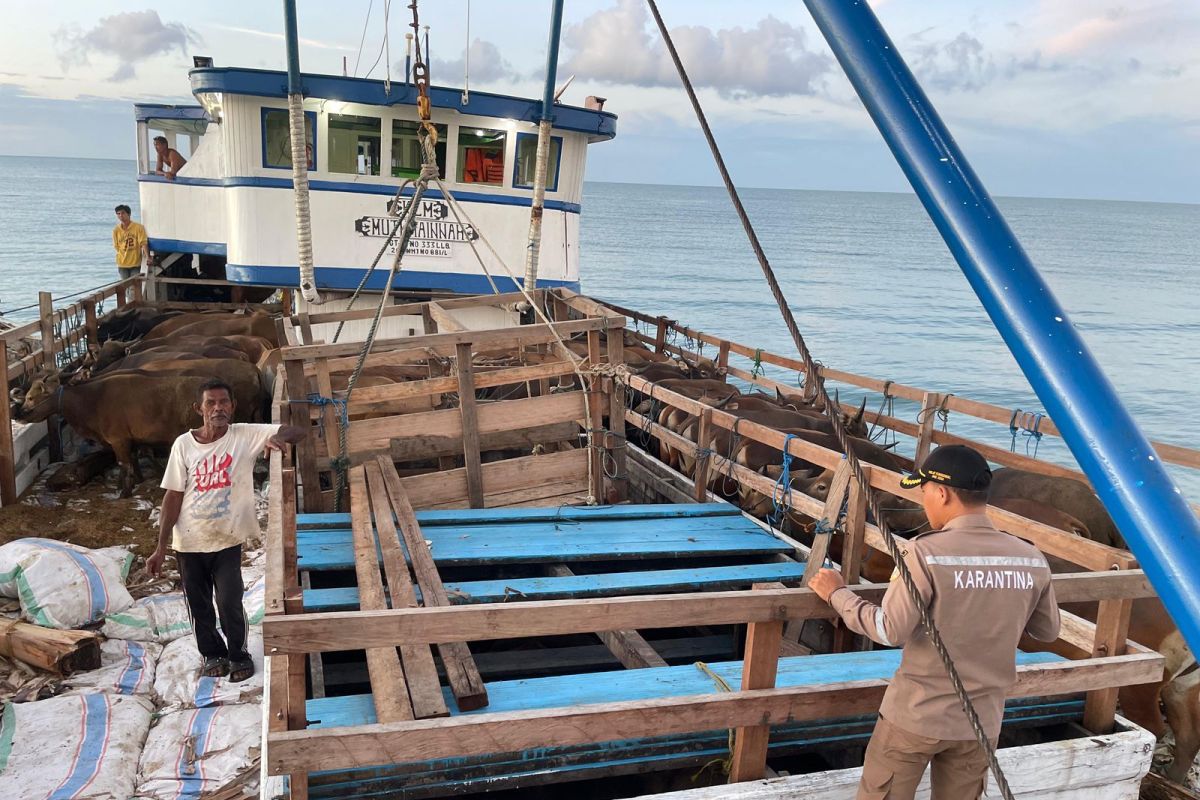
56	651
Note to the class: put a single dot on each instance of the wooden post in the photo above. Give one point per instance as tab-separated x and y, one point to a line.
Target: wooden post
852	550
330	424
594	422
704	435
137	290
46	319
930	402
120	294
758	672
285	301
723	357
298	405
8	466
616	416
829	515
1112	630
297	694
89	315
470	425
660	336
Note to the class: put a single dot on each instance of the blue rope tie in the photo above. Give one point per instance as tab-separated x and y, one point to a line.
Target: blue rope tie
1031	434
783	485
343	413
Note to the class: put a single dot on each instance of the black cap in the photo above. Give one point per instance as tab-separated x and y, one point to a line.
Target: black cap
952	465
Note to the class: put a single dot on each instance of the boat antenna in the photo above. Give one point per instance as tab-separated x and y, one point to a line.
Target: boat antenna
299	150
814	379
387	50
466	94
408	40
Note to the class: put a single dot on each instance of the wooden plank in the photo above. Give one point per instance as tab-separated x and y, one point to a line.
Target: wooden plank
704	433
355	630
370	436
316	661
446	322
1159	787
46	315
373	398
8	466
629	647
297	397
424	688
1112	629
444	343
586	305
616	418
461	672
478	734
828	521
853	548
330	428
549	469
930	402
470	424
762	662
417	308
419	448
388	687
93	327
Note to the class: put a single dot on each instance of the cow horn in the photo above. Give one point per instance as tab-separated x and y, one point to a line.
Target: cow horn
17	395
861	410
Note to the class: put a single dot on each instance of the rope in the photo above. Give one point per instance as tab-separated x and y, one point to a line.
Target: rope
757	369
726	763
785	483
363	38
1030	432
843	439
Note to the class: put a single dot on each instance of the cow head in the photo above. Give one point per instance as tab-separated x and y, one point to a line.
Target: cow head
855	425
41	389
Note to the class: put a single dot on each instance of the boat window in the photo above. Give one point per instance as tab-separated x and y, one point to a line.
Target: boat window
277	142
354	144
406	149
480	156
526	165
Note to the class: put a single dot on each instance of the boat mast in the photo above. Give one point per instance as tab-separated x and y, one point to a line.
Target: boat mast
1121	464
543	150
299	144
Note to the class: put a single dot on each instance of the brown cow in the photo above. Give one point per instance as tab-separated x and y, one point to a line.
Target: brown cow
1067	495
125	409
256	324
253	346
156	355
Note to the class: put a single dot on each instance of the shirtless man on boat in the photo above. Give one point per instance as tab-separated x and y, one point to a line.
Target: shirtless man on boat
984	589
169	160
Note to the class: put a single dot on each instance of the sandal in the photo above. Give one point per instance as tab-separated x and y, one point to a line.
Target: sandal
215	667
242	669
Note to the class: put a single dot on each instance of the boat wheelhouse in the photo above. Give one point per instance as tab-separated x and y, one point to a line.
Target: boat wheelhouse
231	207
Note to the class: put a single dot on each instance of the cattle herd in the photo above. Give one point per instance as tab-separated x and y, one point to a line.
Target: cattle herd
137	389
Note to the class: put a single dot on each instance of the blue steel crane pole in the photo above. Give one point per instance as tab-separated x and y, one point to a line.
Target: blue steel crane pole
1128	475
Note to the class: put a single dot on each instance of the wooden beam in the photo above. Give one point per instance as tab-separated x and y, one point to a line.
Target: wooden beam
827	522
1112	629
388	688
8	466
704	434
376	398
552	473
930	402
758	672
470	425
350	630
629	647
481	734
446	322
444	343
297	398
461	672
615	344
419	448
853	547
424	688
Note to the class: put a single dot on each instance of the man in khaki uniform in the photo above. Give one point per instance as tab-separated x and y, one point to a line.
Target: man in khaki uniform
984	588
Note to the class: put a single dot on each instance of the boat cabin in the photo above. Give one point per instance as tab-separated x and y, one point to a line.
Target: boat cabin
229	212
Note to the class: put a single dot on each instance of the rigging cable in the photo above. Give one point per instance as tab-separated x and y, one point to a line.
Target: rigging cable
818	383
387	4
363	38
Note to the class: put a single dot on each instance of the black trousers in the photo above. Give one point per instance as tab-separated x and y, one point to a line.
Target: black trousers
203	575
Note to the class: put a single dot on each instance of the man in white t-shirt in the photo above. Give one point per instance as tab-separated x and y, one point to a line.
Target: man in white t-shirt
209	505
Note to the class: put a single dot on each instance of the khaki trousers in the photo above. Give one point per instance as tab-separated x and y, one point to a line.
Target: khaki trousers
896	760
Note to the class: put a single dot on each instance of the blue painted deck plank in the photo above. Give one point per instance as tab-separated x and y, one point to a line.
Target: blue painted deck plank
333	549
589	513
598	585
639	684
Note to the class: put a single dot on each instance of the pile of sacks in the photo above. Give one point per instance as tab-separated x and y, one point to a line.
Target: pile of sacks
143	725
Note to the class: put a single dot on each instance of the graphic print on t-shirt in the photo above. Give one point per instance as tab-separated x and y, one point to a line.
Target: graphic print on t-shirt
213	486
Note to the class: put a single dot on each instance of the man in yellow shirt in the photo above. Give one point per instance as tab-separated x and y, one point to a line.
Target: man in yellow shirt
130	242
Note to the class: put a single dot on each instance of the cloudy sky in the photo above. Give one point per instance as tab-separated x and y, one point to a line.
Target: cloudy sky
1058	98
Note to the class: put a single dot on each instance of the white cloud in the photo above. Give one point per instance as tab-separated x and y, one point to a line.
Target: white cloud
486	65
129	37
619	45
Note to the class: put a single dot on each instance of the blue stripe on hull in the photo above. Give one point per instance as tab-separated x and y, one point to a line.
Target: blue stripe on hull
352	187
186	246
348	278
